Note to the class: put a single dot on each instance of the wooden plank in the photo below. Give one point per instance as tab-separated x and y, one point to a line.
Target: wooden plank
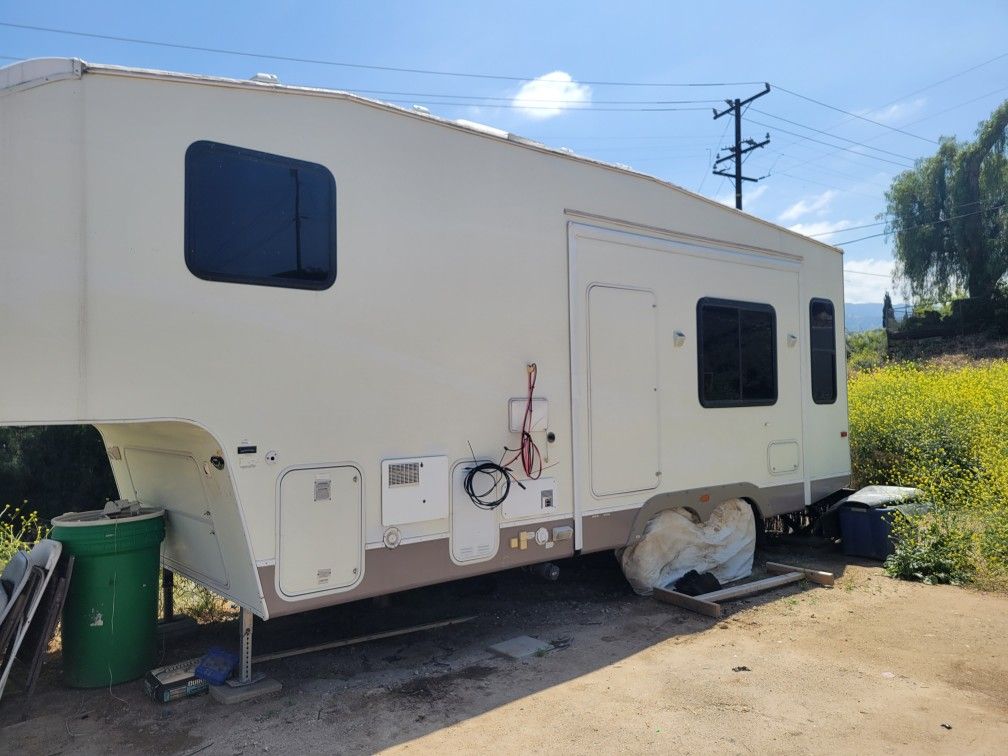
747	589
693	603
816	576
359	639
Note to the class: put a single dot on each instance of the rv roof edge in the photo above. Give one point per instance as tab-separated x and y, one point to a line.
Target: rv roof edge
34	72
463	124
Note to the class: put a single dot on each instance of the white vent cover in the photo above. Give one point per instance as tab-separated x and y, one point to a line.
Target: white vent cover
414	490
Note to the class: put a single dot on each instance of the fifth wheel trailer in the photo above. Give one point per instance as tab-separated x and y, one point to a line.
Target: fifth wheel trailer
299	319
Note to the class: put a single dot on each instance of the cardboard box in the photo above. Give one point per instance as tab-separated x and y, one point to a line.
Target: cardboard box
175	681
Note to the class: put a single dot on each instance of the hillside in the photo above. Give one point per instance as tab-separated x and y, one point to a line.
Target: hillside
863	316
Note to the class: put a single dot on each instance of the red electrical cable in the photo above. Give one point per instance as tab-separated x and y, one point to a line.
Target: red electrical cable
527	451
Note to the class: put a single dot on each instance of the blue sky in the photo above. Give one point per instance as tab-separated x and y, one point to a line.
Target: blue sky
878	60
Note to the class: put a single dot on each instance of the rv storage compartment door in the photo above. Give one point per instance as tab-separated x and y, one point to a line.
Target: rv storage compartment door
173	481
321	534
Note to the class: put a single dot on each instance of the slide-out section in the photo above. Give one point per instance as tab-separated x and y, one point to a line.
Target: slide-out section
686	367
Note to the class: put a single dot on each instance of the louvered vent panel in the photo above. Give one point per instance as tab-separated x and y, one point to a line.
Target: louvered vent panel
323	490
403	474
414	489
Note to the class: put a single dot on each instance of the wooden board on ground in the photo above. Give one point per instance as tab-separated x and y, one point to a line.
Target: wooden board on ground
816	576
707	603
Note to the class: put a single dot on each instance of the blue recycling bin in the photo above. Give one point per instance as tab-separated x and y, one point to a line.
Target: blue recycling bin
866	531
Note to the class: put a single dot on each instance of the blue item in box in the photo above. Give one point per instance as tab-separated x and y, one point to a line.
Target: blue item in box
216	666
865	531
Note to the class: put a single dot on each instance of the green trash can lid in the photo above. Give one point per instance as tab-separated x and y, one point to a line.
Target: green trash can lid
122	510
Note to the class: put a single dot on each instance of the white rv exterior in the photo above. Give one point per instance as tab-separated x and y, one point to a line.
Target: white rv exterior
309	443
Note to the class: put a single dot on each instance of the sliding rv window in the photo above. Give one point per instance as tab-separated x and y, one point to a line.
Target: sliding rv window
736	353
823	343
256	218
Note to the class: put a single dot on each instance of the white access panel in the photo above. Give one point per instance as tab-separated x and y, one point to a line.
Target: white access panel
475	534
321	533
783	457
536	499
414	490
516	414
623	415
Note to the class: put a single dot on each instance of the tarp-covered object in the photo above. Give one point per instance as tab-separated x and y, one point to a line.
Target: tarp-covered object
674	543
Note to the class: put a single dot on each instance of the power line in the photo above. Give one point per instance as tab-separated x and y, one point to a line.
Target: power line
919	120
820	183
866	273
939	82
835	136
847	228
344	64
711	159
908	228
828	144
630	137
916	92
854	115
537	100
961	104
566	106
851	159
987	204
845	242
848	176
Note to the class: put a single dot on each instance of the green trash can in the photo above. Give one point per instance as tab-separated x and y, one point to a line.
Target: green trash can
110	614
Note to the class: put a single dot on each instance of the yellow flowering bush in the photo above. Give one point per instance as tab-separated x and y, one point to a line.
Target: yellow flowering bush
945	431
18	530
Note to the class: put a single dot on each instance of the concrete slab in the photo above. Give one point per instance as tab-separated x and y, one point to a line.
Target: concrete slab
225	694
520	647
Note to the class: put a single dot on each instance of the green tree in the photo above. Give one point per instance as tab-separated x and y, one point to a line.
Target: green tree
54	469
948	216
888	313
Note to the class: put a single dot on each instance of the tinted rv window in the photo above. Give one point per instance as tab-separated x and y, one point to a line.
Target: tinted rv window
823	341
737	353
256	218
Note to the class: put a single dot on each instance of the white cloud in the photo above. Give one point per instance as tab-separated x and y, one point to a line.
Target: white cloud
550	95
899	111
820	228
748	197
815	204
870	282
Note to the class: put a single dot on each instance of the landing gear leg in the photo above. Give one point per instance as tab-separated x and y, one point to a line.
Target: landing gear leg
247	686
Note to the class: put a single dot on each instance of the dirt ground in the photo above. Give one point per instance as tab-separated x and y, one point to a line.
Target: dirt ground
872	665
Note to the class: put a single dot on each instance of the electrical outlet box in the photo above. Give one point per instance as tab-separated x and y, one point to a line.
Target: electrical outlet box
540	414
535	500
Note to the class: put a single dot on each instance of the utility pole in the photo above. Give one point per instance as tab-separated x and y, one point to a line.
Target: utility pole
735	153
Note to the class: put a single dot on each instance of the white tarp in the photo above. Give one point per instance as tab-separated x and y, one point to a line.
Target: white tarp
673	544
